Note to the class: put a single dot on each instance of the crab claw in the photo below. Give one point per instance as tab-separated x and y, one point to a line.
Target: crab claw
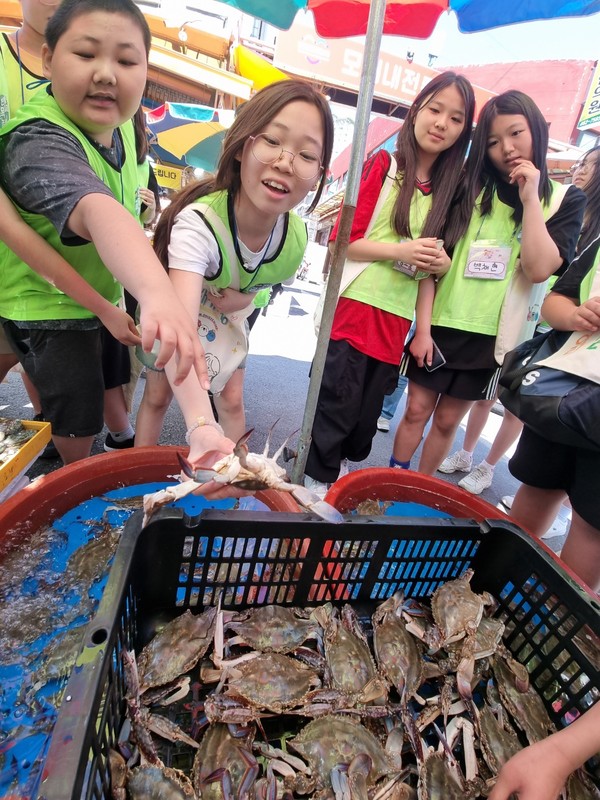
312	502
197	475
241	446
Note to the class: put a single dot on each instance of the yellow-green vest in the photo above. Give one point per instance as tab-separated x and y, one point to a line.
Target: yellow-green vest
24	295
380	285
216	210
474	304
585	290
4	109
22	84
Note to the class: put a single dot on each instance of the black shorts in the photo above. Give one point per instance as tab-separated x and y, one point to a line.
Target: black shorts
116	365
462	384
548	465
65	366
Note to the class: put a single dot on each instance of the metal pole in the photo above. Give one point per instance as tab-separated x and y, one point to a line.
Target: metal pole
363	113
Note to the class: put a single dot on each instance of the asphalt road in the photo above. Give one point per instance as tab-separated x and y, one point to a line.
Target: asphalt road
282	345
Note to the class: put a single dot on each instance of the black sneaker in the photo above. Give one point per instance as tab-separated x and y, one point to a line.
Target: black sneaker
50	450
111	444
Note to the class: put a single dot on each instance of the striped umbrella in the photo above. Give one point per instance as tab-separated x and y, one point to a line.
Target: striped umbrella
337	18
187	135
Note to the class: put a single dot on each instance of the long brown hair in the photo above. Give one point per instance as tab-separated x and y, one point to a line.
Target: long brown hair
251	119
591	217
446	169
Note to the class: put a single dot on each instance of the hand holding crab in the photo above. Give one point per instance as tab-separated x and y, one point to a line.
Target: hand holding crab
242	470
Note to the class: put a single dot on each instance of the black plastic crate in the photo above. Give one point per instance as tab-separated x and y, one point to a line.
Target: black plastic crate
250	558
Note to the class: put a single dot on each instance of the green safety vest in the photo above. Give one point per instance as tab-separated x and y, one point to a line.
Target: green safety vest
216	210
474	304
24	295
22	84
4	109
585	290
380	285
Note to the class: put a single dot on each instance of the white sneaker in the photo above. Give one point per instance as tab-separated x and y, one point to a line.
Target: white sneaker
508	500
344	468
458	462
479	479
383	424
317	487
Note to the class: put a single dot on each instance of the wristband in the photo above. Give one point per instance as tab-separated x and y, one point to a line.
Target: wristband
200	422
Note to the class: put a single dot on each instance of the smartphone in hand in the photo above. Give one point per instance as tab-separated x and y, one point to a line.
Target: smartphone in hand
437	360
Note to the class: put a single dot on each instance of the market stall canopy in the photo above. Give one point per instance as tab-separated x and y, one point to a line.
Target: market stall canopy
187	135
335	18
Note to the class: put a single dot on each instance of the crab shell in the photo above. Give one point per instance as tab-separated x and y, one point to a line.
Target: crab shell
274	629
526	708
154	781
176	649
456	608
349	660
436	781
273	681
332	740
398	655
220	750
498	744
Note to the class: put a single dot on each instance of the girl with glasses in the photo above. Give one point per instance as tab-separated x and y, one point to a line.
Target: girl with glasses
233	234
586	175
403	245
551	472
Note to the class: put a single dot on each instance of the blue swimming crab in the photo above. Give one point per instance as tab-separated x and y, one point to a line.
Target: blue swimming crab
273	628
245	470
333	740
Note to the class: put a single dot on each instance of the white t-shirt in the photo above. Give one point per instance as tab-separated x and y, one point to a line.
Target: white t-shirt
193	248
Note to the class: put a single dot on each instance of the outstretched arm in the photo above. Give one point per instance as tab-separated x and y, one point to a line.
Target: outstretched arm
206	439
127	253
540	771
43	259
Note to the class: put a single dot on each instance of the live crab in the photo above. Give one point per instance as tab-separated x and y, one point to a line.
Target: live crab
245	470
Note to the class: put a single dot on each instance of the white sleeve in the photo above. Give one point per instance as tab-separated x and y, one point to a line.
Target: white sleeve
192	246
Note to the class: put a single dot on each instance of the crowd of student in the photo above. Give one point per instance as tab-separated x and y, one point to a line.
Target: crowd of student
446	258
435	242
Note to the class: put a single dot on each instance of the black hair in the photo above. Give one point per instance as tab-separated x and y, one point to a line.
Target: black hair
480	172
446	169
69	10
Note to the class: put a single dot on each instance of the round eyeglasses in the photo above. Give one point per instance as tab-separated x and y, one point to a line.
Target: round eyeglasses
267	149
580	166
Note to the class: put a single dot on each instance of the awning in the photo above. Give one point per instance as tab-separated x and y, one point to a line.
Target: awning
200	41
256	68
188	69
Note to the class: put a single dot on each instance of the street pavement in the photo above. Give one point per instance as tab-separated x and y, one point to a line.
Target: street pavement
282	344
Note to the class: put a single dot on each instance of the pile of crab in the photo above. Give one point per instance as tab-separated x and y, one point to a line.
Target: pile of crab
411	701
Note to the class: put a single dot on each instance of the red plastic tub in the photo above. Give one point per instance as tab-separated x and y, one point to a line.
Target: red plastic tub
50	496
400	485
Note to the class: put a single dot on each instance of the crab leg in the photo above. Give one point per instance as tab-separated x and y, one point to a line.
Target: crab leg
312	502
152	502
